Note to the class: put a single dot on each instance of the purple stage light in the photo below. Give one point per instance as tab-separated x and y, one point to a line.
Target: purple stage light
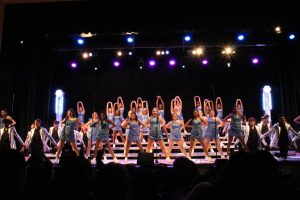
152	63
172	62
116	64
204	61
255	61
73	64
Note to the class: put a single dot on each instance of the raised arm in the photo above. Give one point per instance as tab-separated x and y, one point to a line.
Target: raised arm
172	106
116	106
49	136
145	105
219	101
131	105
179	100
109	105
120	100
239	102
139	101
83	109
297	120
13	122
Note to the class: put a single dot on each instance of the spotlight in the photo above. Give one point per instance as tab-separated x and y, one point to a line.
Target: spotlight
292	36
255	61
21	42
59	104
198	51
172	62
119	53
158	52
241	37
183	66
130	39
228	64
85	55
96	68
80	41
116	64
152	63
204	61
167	52
187	38
130	53
141	67
73	64
228	51
162	53
277	29
90	54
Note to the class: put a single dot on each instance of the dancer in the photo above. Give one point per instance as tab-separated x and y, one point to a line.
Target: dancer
7	136
70	124
235	130
103	135
121	106
92	132
110	116
133	106
197	133
283	133
297	120
139	103
134	133
55	132
175	134
144	130
219	108
36	141
197	104
117	119
239	105
161	110
264	126
80	111
213	125
207	107
4	115
156	122
252	134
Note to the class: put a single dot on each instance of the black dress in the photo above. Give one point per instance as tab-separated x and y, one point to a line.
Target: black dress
253	140
5	143
36	143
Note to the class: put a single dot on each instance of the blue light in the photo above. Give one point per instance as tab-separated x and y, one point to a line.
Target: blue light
292	36
241	37
59	104
80	41
130	39
187	38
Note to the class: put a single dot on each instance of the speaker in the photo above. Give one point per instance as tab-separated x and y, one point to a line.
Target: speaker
145	159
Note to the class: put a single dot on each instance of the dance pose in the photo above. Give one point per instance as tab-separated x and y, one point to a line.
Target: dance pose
156	122
197	133
134	133
175	134
197	104
117	119
144	130
235	130
70	124
219	108
133	106
80	111
239	105
283	134
161	110
213	125
92	125
252	134
7	136
103	135
110	116
121	106
36	141
139	103
264	126
55	132
4	115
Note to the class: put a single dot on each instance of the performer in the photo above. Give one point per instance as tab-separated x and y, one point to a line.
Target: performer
207	107
103	135
70	124
117	119
144	130
197	133
92	132
133	106
140	107
134	133
55	132
252	134
161	110
121	106
80	111
235	130
283	134
197	104
219	108
36	141
4	115
7	136
213	125
175	134
239	105
264	126
156	122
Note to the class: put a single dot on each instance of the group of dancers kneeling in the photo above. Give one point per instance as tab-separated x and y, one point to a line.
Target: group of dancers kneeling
204	126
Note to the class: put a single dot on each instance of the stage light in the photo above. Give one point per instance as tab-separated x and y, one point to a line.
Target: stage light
73	64
267	100
292	36
96	68
167	52
241	37
228	64
80	41
119	53
90	54
21	42
183	66
158	52
141	67
204	61
116	64
85	55
162	53
152	63
172	62
198	51
187	38
277	29
130	53
59	104
228	51
130	39
255	61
